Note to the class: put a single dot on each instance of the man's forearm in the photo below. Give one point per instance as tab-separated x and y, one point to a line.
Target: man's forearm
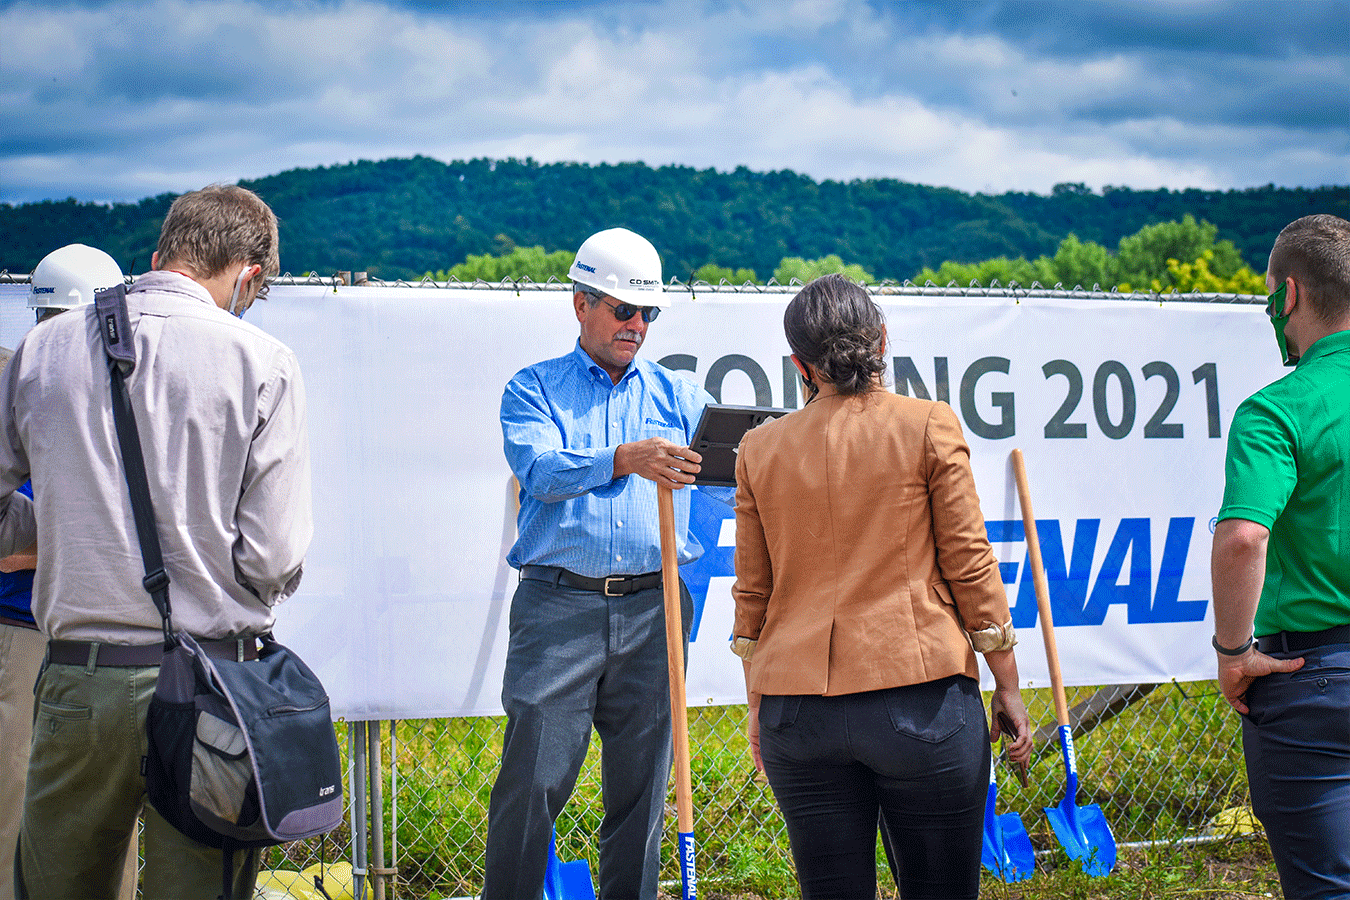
1238	571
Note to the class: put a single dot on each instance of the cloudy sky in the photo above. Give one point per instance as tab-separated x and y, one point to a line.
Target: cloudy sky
124	99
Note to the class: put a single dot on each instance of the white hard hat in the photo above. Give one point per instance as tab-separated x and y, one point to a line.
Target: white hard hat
68	277
623	264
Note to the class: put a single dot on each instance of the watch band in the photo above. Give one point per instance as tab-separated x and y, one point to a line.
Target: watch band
1231	651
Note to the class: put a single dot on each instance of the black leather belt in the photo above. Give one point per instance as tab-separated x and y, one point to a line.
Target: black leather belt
84	653
612	586
17	623
1298	641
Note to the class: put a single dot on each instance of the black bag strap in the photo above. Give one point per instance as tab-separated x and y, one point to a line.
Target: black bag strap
115	326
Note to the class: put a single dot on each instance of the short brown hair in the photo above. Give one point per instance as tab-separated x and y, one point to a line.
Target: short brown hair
1315	252
209	229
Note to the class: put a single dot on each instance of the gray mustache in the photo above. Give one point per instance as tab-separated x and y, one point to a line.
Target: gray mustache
629	336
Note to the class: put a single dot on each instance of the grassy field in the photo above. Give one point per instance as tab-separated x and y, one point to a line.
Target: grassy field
1160	771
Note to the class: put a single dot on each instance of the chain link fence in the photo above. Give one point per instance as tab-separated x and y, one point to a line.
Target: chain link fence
1162	761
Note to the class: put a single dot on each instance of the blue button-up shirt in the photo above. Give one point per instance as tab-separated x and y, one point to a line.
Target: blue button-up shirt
562	420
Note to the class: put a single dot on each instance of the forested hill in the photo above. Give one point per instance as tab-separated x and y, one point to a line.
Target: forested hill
400	218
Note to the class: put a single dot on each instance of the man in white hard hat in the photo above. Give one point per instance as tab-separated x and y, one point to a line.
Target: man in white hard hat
589	437
69	277
220	410
65	278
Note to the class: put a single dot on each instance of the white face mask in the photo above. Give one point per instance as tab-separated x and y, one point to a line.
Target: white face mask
237	298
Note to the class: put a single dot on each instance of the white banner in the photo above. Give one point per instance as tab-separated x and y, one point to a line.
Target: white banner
1120	406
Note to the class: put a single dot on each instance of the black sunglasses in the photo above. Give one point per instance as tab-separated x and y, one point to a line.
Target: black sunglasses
625	311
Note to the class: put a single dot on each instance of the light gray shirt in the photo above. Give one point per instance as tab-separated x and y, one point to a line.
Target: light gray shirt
220	406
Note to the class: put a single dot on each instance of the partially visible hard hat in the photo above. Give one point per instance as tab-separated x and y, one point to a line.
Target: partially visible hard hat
68	277
623	264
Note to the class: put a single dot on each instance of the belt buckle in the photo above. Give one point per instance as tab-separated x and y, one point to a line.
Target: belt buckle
614	578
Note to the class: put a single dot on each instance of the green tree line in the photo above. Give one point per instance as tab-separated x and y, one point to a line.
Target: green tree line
1181	257
401	218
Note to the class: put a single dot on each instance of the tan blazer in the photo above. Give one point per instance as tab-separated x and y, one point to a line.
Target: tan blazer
861	553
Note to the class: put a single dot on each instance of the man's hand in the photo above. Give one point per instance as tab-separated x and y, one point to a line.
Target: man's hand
1236	673
21	561
659	460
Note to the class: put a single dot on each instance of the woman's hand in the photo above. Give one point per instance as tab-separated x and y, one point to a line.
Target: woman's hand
752	731
1008	701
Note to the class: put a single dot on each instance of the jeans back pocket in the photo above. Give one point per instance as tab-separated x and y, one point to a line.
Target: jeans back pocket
777	711
930	712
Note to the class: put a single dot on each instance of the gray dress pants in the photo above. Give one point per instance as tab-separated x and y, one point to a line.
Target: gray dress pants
576	659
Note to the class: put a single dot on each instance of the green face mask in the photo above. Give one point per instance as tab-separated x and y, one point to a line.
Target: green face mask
1274	306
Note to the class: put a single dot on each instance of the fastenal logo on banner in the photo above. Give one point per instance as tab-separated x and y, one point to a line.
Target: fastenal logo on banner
1086	577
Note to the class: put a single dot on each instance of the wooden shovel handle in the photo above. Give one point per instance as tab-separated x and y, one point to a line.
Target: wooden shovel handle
1042	588
679	711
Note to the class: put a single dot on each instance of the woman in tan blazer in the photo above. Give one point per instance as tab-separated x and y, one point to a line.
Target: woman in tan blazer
865	584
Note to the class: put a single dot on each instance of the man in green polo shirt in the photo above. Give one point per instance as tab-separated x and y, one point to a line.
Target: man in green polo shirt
1281	567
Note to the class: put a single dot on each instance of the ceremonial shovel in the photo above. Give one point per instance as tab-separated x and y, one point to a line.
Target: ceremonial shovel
679	712
1081	830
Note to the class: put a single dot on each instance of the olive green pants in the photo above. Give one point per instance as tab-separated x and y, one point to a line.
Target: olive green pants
85	790
21	651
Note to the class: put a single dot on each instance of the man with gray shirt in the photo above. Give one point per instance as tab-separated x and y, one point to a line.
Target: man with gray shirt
221	412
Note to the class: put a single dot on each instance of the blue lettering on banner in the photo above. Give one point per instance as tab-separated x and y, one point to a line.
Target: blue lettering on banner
705	521
1068	577
1079	594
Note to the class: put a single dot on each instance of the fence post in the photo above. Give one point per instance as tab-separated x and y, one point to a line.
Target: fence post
377	870
358	741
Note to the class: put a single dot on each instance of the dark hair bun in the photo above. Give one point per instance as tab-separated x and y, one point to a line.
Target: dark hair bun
833	324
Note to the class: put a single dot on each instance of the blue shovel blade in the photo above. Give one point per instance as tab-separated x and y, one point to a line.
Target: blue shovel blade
1083	833
1006	849
566	880
575	878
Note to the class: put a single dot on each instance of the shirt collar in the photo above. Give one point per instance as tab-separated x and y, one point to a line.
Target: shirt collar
587	364
1336	342
163	281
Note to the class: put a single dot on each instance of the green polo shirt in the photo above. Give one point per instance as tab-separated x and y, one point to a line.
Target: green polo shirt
1288	453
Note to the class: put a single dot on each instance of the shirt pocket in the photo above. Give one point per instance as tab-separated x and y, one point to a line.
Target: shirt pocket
655	426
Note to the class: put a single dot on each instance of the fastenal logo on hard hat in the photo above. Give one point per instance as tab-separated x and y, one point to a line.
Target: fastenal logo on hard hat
70	276
623	264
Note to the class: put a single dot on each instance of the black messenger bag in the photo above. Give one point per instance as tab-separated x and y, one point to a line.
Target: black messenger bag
242	753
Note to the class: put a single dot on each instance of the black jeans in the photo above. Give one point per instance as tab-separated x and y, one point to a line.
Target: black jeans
917	754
